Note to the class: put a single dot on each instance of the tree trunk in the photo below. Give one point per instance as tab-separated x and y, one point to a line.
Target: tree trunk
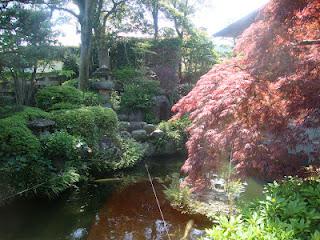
155	16
86	14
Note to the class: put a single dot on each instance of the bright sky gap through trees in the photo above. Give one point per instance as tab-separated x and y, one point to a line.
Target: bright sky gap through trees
214	16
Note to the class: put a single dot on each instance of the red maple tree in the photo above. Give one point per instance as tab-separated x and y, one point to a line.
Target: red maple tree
261	108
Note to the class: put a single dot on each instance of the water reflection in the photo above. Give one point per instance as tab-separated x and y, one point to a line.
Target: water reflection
132	213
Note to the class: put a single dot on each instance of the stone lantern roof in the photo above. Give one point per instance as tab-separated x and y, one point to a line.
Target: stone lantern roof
103	85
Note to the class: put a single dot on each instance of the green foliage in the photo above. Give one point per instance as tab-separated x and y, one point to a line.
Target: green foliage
91	99
198	55
175	133
66	74
290	210
28	163
9	110
31	113
23	172
57	183
125	154
90	123
24	113
63	106
180	91
16	139
49	96
71	83
60	146
132	152
126	74
70	64
27	48
179	197
138	95
138	53
115	100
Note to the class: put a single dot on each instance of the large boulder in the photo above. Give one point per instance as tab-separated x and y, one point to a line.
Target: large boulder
123	117
136	126
125	134
149	128
139	135
157	134
136	116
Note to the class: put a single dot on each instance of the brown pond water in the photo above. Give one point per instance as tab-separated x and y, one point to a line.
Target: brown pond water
132	213
112	210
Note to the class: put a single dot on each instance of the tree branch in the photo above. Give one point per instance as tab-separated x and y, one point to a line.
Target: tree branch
112	10
309	42
64	10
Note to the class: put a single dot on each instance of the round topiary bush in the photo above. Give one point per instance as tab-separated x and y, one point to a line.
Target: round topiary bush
32	113
90	123
16	139
49	96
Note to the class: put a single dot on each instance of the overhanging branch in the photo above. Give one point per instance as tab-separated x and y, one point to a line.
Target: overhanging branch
64	10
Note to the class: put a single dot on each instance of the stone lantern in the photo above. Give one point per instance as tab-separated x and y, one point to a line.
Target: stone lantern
104	88
41	126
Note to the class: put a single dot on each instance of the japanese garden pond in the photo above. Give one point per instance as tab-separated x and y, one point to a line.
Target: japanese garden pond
108	210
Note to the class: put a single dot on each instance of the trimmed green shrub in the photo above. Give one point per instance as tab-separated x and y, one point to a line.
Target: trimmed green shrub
31	113
25	113
63	106
9	110
105	119
90	123
71	83
290	210
16	139
138	95
91	99
49	96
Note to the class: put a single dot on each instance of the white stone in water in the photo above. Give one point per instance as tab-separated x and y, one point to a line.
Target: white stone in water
78	233
162	228
148	233
128	236
196	234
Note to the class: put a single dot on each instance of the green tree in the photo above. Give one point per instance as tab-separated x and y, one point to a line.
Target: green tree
26	37
198	54
85	18
154	7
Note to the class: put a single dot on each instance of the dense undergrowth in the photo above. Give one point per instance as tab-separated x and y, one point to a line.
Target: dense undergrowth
49	163
289	211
